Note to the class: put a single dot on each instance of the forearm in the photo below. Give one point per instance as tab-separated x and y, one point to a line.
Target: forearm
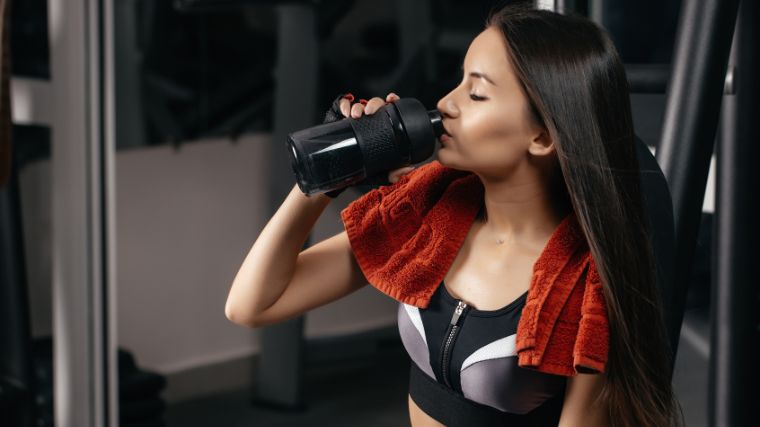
270	264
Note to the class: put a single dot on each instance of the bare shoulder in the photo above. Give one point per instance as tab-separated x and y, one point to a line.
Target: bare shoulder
581	406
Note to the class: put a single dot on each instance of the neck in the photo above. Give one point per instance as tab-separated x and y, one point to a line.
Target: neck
521	210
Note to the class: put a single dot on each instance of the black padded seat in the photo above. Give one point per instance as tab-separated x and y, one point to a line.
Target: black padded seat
658	206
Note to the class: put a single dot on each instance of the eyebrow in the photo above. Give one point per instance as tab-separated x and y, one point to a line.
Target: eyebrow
479	75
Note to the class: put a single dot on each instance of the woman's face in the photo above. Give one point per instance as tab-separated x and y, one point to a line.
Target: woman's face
488	115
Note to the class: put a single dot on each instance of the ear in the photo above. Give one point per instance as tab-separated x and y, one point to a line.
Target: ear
541	144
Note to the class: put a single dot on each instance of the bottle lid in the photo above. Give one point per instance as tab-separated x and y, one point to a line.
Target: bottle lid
421	126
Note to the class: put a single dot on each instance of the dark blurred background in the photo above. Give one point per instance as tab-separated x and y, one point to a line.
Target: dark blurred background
205	68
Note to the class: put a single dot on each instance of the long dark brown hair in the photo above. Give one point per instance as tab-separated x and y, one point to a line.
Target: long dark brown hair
578	91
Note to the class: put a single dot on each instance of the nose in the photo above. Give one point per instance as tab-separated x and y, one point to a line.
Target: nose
447	106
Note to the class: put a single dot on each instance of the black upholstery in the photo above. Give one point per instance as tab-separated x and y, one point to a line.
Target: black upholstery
658	206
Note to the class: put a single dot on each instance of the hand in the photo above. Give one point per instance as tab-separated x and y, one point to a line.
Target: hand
395	175
342	106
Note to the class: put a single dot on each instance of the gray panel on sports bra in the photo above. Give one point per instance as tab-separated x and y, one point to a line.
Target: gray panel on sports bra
484	382
413	337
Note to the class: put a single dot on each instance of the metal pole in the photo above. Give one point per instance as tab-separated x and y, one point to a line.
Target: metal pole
279	373
82	159
733	338
703	42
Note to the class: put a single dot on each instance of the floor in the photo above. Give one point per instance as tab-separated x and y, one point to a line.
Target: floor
371	390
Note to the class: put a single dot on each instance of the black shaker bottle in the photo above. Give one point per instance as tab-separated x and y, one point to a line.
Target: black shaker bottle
338	154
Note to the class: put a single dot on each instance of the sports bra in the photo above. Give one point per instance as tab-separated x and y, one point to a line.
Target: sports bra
464	365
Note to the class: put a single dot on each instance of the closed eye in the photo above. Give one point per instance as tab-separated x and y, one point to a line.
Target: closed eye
476	97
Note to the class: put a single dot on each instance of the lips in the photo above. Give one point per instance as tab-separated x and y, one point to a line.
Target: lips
445	133
444	136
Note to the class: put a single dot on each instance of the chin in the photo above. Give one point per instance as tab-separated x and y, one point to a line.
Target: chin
445	159
442	159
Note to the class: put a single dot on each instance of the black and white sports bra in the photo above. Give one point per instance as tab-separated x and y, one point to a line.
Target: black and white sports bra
464	365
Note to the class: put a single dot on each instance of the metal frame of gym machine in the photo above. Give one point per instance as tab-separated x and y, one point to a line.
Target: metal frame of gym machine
78	105
703	87
83	207
702	80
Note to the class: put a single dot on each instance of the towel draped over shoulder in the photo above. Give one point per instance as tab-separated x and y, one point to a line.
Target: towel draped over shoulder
405	236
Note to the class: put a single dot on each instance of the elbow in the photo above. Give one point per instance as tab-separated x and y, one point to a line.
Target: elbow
238	318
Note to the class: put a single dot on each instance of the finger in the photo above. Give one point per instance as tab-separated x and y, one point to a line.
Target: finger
373	105
345	107
357	110
395	175
391	97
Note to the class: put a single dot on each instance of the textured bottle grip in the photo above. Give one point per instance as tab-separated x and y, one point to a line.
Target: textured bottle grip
373	135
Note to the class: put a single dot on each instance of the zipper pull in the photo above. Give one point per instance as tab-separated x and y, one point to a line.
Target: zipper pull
458	312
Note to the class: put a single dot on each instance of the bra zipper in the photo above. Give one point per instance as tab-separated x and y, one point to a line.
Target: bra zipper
448	343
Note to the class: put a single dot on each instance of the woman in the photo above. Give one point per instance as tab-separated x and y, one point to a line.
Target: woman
542	118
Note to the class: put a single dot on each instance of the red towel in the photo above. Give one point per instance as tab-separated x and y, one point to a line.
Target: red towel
405	237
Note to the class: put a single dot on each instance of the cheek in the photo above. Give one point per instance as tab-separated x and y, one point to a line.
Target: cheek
497	133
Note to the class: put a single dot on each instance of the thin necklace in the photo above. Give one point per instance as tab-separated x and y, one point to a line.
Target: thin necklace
480	215
499	240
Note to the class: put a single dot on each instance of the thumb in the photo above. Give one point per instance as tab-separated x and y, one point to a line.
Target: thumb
395	175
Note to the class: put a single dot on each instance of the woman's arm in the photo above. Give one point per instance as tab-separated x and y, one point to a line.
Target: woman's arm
277	280
579	408
275	266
